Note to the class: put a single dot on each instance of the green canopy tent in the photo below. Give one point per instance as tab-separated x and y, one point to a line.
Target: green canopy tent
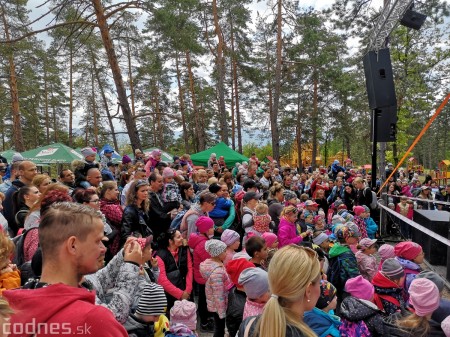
8	154
56	153
221	149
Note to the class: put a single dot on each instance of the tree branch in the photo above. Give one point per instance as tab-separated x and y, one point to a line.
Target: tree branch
47	29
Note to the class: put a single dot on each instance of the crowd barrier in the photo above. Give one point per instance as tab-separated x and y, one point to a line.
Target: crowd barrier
430	229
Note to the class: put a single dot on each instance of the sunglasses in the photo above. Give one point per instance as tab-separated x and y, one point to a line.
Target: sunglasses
140	183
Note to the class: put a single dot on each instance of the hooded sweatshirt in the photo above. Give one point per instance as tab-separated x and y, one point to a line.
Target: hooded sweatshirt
63	309
197	243
411	270
287	233
322	323
356	310
343	266
216	287
388	295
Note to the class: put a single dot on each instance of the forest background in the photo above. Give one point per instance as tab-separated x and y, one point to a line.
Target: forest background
182	75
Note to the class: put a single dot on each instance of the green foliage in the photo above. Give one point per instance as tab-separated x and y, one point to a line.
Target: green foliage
260	151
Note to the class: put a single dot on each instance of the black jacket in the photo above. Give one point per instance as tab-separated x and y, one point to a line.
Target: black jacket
235	310
355	310
159	218
134	223
8	211
290	330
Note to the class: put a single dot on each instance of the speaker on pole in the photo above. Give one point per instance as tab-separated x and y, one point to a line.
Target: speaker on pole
386	124
379	79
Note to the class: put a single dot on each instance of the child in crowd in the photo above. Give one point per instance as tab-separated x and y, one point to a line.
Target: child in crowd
322	240
322	319
385	251
388	285
82	167
410	255
262	219
424	299
371	226
405	208
343	264
272	246
152	304
217	283
319	223
256	286
9	274
367	263
232	240
256	248
445	325
170	191
236	295
183	319
200	181
359	221
360	316
444	304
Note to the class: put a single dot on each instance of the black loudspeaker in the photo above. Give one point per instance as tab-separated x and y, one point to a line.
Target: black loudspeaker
379	79
413	19
386	124
438	222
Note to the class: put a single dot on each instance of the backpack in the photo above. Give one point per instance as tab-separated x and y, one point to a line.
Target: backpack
334	272
354	329
19	255
374	202
176	222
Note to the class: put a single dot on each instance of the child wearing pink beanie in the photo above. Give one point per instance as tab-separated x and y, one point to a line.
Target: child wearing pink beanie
424	299
232	239
272	246
386	252
410	255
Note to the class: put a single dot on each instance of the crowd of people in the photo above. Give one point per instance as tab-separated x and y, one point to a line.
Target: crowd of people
148	248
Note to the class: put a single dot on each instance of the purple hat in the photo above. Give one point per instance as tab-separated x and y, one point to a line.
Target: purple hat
386	251
229	237
126	159
167	172
156	152
366	243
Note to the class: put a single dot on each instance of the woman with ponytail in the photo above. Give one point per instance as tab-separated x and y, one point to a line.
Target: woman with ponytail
294	282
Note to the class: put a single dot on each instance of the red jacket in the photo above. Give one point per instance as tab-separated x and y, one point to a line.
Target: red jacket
197	243
60	309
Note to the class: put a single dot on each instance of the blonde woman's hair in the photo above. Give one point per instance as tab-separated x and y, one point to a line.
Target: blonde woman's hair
106	186
414	323
292	269
288	209
212	180
39	179
6	246
276	187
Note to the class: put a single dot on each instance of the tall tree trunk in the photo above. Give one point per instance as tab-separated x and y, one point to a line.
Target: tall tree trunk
158	117
94	111
236	93
105	102
47	118
182	106
117	75
314	122
233	124
70	97
277	91
200	135
221	76
14	92
348	147
130	77
299	135
55	121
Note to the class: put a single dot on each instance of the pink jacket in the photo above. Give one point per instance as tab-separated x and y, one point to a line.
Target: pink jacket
216	287
252	308
367	265
197	243
287	233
